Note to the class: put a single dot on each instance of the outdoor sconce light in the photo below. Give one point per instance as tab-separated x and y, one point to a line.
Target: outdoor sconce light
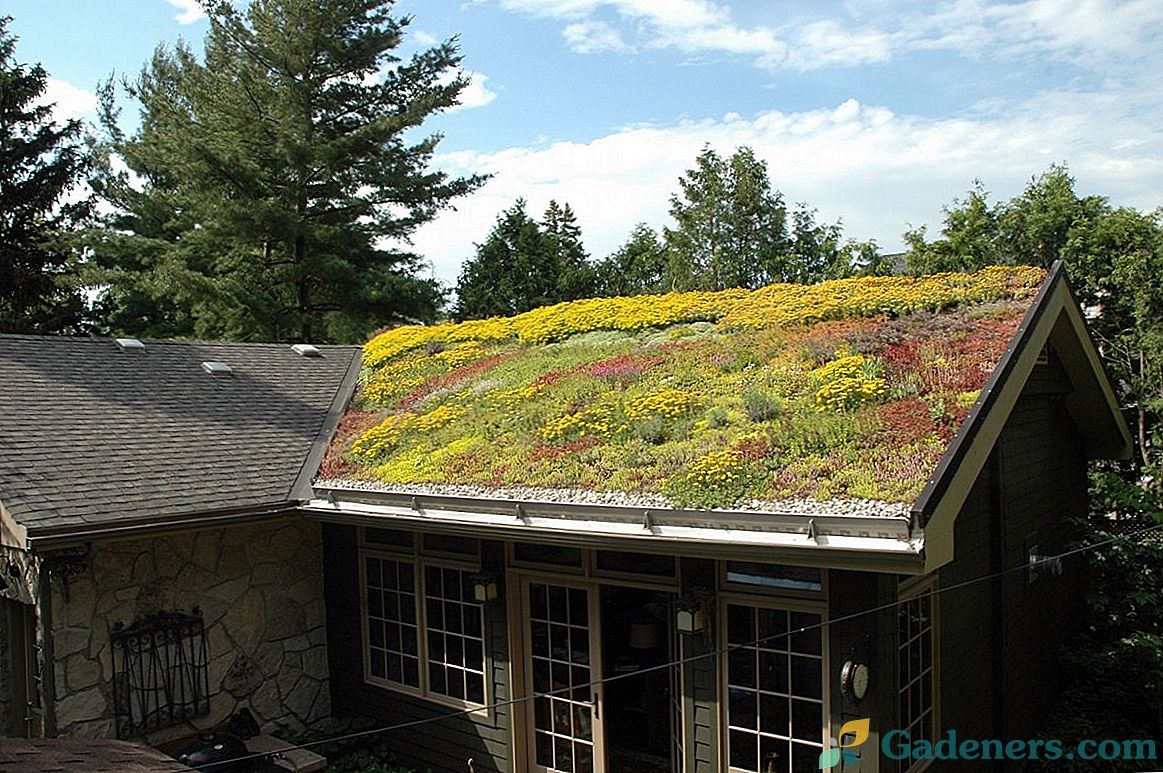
689	616
484	587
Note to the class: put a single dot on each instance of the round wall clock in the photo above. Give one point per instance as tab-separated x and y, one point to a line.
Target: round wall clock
854	677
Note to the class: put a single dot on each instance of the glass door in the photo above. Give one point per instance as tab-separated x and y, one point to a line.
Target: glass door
563	649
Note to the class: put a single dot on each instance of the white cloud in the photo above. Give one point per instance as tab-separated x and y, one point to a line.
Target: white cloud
591	37
476	93
877	170
1086	32
191	11
423	38
827	44
68	101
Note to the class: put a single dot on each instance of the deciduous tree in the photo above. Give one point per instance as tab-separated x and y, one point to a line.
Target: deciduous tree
638	267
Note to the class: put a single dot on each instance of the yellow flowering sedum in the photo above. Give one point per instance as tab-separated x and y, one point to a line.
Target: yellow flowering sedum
592	422
716	469
848	382
668	403
382	437
775	305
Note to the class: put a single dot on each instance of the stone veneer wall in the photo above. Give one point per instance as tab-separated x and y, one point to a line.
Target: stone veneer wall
260	590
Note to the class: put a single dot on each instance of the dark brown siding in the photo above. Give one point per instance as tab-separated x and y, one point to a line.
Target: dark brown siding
869	637
1000	640
700	674
443	744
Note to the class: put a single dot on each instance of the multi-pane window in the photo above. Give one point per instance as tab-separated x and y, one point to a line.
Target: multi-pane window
456	654
775	689
393	652
427	636
915	665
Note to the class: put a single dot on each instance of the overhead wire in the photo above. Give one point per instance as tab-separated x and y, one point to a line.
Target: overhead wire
681	661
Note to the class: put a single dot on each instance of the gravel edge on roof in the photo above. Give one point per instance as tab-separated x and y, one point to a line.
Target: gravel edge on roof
844	507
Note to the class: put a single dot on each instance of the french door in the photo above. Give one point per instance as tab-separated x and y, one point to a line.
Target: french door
564	661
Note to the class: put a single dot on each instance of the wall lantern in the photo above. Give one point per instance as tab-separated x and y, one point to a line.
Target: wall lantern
484	586
689	615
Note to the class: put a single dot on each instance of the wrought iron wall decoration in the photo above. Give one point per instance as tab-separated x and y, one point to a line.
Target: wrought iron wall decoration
160	675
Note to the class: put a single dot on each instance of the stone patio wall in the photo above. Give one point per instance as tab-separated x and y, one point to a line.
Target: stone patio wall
260	591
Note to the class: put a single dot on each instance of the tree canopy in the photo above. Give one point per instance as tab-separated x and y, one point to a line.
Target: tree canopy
523	264
733	229
271	188
1113	258
41	163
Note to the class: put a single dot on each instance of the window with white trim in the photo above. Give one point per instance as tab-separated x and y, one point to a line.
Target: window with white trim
915	665
775	689
423	630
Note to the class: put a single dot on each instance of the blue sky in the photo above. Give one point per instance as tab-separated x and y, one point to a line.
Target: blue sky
876	112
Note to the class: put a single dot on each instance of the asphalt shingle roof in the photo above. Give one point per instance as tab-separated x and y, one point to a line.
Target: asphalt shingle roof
93	434
54	755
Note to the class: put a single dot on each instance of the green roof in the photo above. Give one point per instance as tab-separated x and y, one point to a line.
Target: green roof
850	389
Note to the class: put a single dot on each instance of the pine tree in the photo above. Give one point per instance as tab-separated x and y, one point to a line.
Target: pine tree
515	269
274	182
576	277
41	162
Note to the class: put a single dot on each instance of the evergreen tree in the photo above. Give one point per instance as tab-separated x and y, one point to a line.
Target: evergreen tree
524	264
637	267
730	226
274	182
576	276
732	230
515	269
41	162
818	251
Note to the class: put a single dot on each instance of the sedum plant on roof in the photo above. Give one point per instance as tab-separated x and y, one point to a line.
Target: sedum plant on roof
848	389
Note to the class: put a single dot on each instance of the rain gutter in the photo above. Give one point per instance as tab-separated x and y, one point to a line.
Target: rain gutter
857	542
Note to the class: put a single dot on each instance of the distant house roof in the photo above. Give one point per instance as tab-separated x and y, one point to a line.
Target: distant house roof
98	435
849	417
56	755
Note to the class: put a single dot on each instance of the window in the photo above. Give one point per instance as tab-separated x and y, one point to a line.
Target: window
793	578
160	672
775	689
616	562
915	665
426	635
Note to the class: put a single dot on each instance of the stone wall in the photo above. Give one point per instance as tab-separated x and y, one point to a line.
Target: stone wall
260	590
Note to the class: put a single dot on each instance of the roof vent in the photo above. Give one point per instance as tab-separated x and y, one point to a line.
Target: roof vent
306	350
215	368
130	345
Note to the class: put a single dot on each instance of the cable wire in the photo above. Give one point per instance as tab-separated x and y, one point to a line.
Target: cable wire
681	661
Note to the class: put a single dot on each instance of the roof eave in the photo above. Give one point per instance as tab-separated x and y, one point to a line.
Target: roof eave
1054	318
98	531
301	488
865	543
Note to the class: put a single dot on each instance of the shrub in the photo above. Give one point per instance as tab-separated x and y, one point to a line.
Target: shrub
760	406
653	430
718	417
